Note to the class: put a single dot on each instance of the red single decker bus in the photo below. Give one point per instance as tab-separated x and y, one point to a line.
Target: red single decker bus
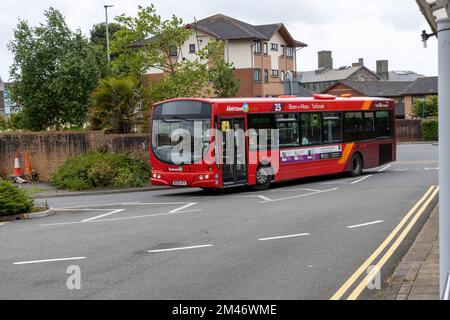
257	141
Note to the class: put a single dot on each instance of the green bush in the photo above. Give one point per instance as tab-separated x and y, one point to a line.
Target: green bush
101	170
430	130
13	200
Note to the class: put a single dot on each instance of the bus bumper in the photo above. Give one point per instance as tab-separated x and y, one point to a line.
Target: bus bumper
186	180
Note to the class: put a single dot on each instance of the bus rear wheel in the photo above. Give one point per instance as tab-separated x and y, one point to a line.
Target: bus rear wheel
263	178
357	165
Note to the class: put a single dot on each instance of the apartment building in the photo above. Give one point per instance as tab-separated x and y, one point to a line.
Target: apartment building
261	54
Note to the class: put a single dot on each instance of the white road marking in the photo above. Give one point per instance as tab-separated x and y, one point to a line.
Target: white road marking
3	223
119	219
429	169
401	170
123	204
183	207
103	215
300	196
182	248
294	190
285	237
49	260
362	179
385	168
150	204
264	198
365	224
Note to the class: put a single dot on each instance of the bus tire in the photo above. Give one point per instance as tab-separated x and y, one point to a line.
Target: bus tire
264	177
356	165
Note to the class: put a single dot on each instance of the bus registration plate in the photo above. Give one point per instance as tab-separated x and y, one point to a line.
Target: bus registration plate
179	183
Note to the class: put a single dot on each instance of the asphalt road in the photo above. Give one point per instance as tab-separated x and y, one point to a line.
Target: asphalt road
298	240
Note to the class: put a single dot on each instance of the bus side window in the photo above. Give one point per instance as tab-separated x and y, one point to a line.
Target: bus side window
369	125
257	123
382	124
311	129
353	126
332	127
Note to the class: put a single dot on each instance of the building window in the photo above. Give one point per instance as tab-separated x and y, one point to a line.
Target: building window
275	73
332	127
283	50
266	48
282	75
257	47
257	74
311	129
192	48
274	46
290	52
173	52
266	75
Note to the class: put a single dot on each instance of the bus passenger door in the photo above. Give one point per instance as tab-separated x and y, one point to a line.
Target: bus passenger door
234	167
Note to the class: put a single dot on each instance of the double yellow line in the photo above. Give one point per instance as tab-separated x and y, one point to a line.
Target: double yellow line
424	202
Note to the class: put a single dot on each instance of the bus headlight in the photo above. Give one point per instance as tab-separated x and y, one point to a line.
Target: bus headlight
158	176
207	177
154	175
200	177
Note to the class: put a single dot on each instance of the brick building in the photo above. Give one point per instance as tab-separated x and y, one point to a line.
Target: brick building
419	89
261	54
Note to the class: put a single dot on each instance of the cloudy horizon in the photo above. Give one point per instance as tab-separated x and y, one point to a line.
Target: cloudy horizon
376	30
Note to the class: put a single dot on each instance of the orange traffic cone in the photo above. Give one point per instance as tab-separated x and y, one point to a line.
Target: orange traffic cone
27	164
17	170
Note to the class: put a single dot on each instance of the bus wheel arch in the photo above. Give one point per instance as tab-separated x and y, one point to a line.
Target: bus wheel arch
356	164
264	176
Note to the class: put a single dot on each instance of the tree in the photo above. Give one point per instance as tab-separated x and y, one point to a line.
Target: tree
54	71
117	105
98	33
156	37
220	72
431	107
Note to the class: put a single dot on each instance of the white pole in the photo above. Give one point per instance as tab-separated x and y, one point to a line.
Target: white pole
107	35
444	149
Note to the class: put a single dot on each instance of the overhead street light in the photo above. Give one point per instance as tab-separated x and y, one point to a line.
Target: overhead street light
437	13
107	31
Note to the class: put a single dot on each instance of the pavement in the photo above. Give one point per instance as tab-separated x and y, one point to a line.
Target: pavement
417	275
308	239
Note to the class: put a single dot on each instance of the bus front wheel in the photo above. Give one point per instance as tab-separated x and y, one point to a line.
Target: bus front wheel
263	178
357	165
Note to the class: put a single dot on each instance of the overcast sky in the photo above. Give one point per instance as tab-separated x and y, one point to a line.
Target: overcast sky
352	29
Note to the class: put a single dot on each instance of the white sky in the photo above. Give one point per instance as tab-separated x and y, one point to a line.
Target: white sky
352	29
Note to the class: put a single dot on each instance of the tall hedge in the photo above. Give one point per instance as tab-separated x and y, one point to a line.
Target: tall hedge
13	200
430	130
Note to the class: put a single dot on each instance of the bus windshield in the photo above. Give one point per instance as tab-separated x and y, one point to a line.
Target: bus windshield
192	117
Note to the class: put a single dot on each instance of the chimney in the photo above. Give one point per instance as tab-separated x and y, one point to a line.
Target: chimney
325	59
383	69
360	63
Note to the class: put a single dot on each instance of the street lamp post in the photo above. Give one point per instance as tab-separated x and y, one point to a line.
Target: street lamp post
107	32
437	14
